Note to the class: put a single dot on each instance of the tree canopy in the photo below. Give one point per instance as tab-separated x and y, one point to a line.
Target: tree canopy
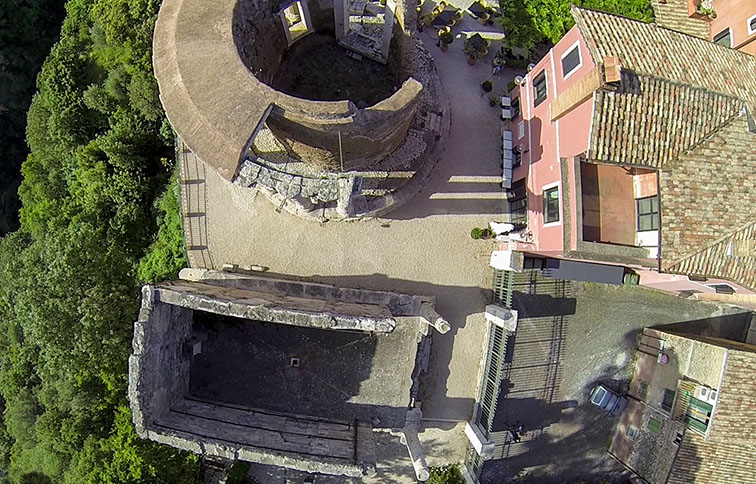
532	22
27	30
92	221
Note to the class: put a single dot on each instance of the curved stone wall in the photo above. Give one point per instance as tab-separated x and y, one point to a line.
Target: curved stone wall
215	103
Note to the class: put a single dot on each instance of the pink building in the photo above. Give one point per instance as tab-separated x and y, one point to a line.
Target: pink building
637	147
734	24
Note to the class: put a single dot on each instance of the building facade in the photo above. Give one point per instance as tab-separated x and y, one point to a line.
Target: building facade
636	146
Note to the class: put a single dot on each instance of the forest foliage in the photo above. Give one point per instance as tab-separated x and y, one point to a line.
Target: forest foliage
532	22
92	222
27	30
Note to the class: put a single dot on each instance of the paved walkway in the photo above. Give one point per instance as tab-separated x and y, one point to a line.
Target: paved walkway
424	247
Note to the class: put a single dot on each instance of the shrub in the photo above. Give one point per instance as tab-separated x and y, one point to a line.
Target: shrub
446	37
478	233
446	475
487	85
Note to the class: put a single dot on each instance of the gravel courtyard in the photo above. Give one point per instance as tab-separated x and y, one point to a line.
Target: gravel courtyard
424	247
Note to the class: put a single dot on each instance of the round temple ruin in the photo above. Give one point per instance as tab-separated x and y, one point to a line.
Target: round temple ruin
233	74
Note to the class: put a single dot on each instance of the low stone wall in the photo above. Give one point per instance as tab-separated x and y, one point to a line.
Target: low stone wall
159	336
165	341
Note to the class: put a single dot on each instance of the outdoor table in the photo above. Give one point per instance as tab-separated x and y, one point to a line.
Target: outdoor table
444	18
478	9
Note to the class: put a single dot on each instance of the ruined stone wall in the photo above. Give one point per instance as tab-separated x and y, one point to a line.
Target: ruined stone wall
321	14
367	135
159	335
259	37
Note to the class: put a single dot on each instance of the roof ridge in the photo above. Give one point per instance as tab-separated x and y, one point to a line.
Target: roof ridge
674	267
706	137
743	227
685	84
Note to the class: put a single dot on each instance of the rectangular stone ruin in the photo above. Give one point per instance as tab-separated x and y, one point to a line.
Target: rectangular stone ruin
275	372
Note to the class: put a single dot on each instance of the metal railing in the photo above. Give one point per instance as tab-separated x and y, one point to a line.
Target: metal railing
193	206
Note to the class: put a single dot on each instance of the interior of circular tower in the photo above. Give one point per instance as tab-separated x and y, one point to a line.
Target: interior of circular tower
347	102
296	47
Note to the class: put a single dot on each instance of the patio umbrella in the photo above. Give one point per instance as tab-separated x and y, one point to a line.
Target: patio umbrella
444	18
478	9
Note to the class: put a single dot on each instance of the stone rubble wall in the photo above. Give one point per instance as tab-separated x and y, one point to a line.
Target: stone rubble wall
278	308
399	305
159	335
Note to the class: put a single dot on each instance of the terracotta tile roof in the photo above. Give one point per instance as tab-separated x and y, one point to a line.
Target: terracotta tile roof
649	121
673	15
648	49
707	199
729	452
684	106
724	258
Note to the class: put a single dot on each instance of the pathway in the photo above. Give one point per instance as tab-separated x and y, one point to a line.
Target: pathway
424	247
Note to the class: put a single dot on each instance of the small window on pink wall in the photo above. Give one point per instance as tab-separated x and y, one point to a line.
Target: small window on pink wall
540	88
571	60
752	25
551	205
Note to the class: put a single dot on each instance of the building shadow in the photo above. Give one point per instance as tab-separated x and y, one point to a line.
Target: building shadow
460	306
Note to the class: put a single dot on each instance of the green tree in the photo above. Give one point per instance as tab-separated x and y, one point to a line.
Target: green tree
531	22
99	158
446	475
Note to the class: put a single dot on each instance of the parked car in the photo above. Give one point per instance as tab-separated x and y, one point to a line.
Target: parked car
607	400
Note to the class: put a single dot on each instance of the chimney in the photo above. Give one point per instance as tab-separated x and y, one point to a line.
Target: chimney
612	70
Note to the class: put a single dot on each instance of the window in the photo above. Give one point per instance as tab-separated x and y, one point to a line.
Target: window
723	38
533	263
293	15
296	20
751	25
521	130
571	61
668	399
551	205
539	88
648	213
515	107
698	415
518	203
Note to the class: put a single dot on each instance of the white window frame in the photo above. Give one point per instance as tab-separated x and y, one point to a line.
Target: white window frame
520	130
574	46
729	31
559	192
545	83
748	25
